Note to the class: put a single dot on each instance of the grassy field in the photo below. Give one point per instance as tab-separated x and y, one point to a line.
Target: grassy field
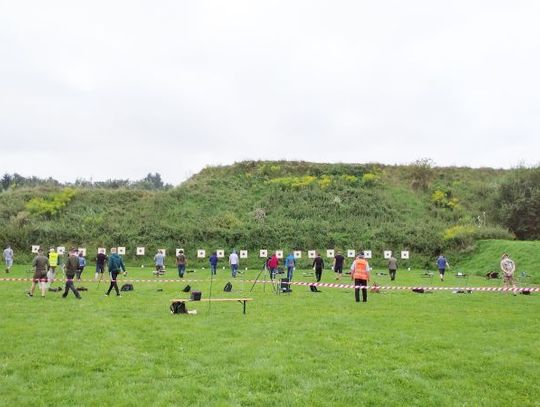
302	349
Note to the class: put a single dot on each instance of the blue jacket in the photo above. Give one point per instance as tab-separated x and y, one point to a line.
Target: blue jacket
289	261
116	263
213	260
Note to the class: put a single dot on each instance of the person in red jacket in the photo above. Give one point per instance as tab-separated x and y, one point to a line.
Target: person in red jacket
273	264
360	275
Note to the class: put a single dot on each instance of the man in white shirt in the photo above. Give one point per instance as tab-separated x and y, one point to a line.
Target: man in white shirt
234	261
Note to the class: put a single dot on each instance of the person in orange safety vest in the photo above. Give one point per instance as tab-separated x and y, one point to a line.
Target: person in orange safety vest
360	274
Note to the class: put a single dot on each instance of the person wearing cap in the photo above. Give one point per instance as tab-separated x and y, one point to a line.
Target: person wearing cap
71	267
40	265
181	263
508	267
234	262
8	258
116	266
360	275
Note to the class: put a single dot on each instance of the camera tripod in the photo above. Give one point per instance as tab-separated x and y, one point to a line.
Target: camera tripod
274	286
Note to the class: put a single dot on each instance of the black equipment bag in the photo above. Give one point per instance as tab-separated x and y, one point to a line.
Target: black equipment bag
187	289
127	287
196	295
178	307
284	285
314	289
228	287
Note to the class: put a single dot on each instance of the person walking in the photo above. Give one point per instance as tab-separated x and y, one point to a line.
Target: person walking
116	266
53	264
318	266
82	264
290	263
273	264
8	258
392	267
442	265
339	260
101	260
40	265
181	263
508	267
360	275
213	260
234	262
72	264
159	261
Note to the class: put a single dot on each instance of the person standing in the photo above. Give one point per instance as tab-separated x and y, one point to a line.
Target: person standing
442	265
159	261
8	258
101	260
53	264
318	266
213	260
116	266
290	263
392	267
339	260
273	264
71	267
82	264
234	262
508	267
360	275
40	265
181	263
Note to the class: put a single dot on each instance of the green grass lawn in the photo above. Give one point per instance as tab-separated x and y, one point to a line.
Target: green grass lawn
302	349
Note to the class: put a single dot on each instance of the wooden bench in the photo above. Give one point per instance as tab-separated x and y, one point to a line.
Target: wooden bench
240	300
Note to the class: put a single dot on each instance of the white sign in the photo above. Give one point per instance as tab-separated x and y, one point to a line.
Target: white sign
297	254
367	254
243	254
82	250
35	248
279	254
140	251
330	253
178	251
60	249
311	254
102	250
263	253
387	254
220	253
163	251
201	254
405	254
351	253
121	250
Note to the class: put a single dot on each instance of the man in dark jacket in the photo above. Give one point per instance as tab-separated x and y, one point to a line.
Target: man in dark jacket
116	265
72	265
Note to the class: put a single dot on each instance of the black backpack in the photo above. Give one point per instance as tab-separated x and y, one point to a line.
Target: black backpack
228	287
187	289
127	287
178	307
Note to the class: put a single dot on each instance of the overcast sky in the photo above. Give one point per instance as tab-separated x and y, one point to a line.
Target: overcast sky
117	89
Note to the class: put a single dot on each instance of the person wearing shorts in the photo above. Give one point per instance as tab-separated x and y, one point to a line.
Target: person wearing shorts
8	258
338	265
442	265
40	265
508	267
101	260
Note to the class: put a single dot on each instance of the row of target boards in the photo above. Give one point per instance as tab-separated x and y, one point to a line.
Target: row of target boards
243	254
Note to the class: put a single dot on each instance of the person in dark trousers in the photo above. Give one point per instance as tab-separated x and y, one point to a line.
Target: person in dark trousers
101	260
318	266
82	264
360	275
213	263
71	267
338	265
116	266
273	264
392	267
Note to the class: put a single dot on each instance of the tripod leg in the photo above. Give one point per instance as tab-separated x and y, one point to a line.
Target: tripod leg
256	280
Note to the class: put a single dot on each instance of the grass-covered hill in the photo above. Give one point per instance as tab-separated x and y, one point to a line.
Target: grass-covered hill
274	205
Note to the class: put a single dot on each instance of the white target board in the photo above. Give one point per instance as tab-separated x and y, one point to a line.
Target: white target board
404	254
121	250
163	251
61	250
387	254
311	254
220	253
297	254
279	254
178	251
367	254
351	253
82	250
102	250
330	253
35	248
140	251
263	253
243	254
201	254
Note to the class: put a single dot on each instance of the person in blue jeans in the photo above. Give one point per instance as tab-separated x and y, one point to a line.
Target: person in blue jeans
290	263
234	261
213	263
181	263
